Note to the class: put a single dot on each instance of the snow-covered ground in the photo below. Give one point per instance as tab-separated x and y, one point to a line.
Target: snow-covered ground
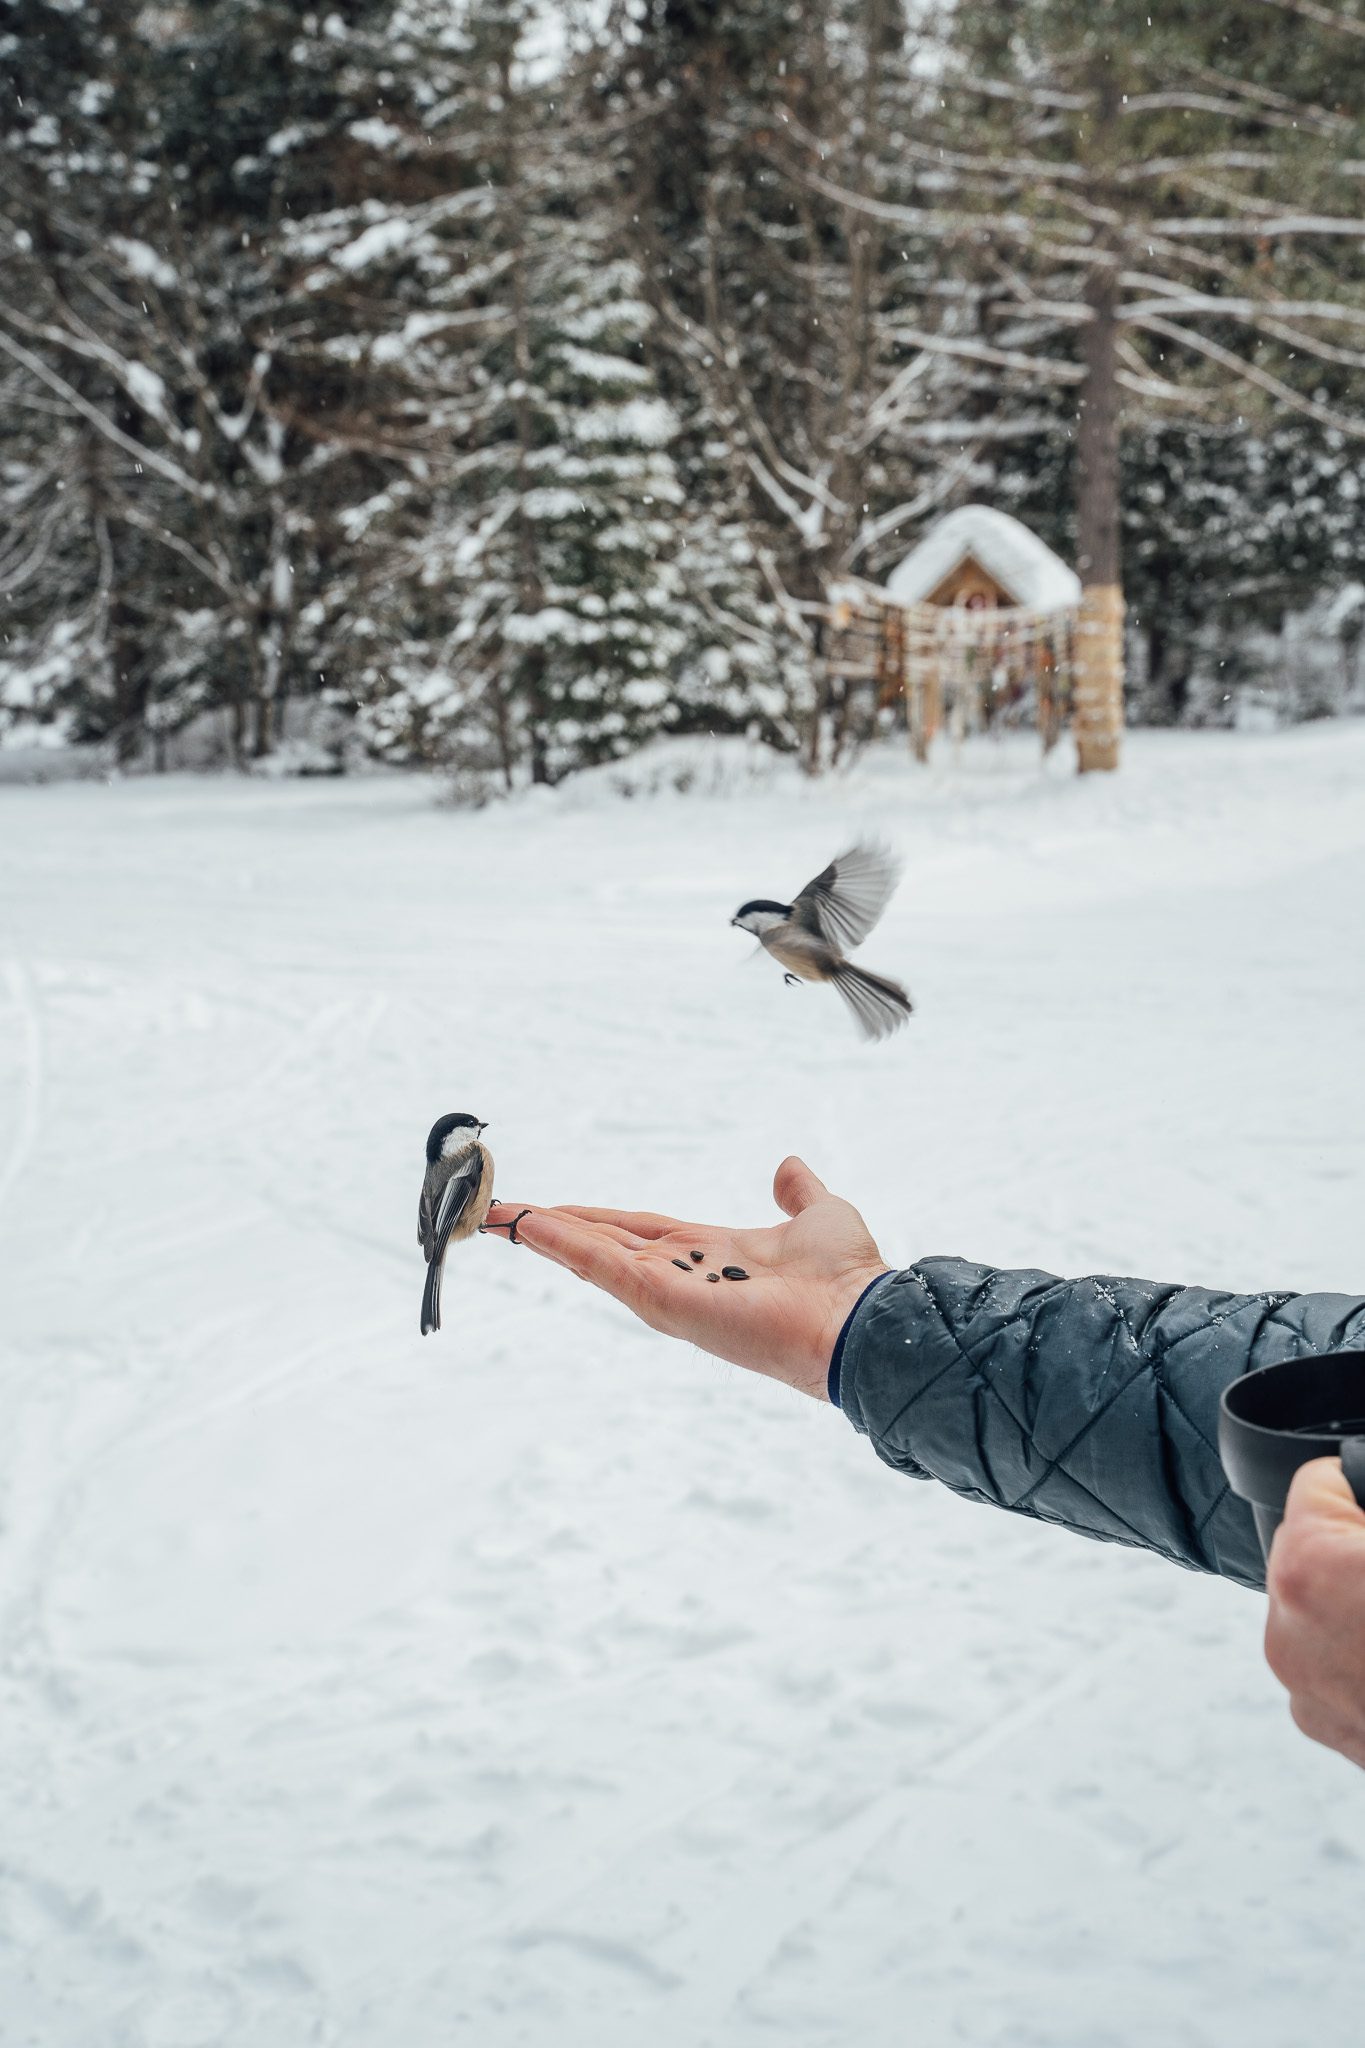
542	1683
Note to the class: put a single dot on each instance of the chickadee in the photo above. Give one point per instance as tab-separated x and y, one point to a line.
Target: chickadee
837	910
457	1192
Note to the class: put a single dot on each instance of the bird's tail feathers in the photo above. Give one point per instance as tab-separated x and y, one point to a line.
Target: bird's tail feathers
431	1293
879	1006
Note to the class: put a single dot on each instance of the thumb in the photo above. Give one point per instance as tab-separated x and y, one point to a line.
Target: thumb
1321	1489
795	1187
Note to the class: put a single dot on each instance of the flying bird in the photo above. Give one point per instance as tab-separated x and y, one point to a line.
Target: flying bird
457	1192
810	937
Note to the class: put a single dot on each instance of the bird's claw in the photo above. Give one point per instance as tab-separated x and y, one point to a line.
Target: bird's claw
792	980
510	1228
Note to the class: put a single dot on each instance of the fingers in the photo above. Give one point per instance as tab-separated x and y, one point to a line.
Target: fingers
641	1223
639	1275
1324	1723
500	1214
632	1239
1314	1574
587	1249
795	1187
1322	1490
604	1256
627	1228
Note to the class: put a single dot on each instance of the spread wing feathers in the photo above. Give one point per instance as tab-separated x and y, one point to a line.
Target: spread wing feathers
842	904
879	1006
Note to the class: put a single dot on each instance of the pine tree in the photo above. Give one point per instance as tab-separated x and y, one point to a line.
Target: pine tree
87	590
323	213
554	546
226	399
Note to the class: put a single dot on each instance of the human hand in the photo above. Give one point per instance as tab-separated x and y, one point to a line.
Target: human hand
1315	1631
804	1275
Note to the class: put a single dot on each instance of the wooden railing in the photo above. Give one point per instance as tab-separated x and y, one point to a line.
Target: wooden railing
954	667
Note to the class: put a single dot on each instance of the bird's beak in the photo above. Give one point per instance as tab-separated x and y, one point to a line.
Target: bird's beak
483	1127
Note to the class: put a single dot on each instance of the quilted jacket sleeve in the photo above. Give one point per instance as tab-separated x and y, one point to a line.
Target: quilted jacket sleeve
1092	1403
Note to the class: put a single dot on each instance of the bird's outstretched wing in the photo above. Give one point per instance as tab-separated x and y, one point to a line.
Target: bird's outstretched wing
842	904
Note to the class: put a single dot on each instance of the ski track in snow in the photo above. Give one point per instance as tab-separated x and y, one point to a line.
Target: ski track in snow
542	1684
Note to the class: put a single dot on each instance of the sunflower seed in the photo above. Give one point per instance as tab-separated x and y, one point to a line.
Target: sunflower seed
734	1272
684	1265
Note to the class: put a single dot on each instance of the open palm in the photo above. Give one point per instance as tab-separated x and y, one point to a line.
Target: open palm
803	1275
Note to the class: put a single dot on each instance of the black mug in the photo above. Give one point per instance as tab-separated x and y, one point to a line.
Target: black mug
1275	1419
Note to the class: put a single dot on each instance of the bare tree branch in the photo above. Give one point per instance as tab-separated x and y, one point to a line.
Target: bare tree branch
1252	373
1323	17
150	458
1184	303
1009	89
1306	115
982	352
130	515
941	487
1276	228
1188	102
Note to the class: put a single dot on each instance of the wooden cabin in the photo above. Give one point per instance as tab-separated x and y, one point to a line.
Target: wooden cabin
974	628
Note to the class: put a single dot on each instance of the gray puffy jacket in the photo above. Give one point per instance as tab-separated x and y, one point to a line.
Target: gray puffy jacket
1092	1403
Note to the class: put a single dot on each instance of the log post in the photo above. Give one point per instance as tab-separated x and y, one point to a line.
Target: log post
1098	689
1099	627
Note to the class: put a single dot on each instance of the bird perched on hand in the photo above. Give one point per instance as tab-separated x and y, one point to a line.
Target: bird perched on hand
457	1191
809	938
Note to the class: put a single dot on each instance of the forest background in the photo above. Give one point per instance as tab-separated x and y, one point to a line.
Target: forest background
505	385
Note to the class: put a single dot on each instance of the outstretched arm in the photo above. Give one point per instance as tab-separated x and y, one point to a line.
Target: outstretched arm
1092	1403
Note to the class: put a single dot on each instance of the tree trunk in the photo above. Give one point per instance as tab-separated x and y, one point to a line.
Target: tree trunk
1168	677
262	732
129	665
237	729
1099	629
504	732
528	681
1097	433
814	742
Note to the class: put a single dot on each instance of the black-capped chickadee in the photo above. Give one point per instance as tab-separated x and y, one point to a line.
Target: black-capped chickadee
808	938
457	1192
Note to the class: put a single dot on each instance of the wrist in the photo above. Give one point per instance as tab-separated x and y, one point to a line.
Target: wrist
860	1288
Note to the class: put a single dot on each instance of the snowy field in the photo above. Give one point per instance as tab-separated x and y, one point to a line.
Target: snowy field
542	1683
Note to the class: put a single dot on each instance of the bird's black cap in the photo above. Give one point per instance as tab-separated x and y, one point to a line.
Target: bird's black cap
459	1119
763	903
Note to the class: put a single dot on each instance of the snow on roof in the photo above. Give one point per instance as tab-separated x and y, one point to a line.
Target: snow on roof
1035	578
